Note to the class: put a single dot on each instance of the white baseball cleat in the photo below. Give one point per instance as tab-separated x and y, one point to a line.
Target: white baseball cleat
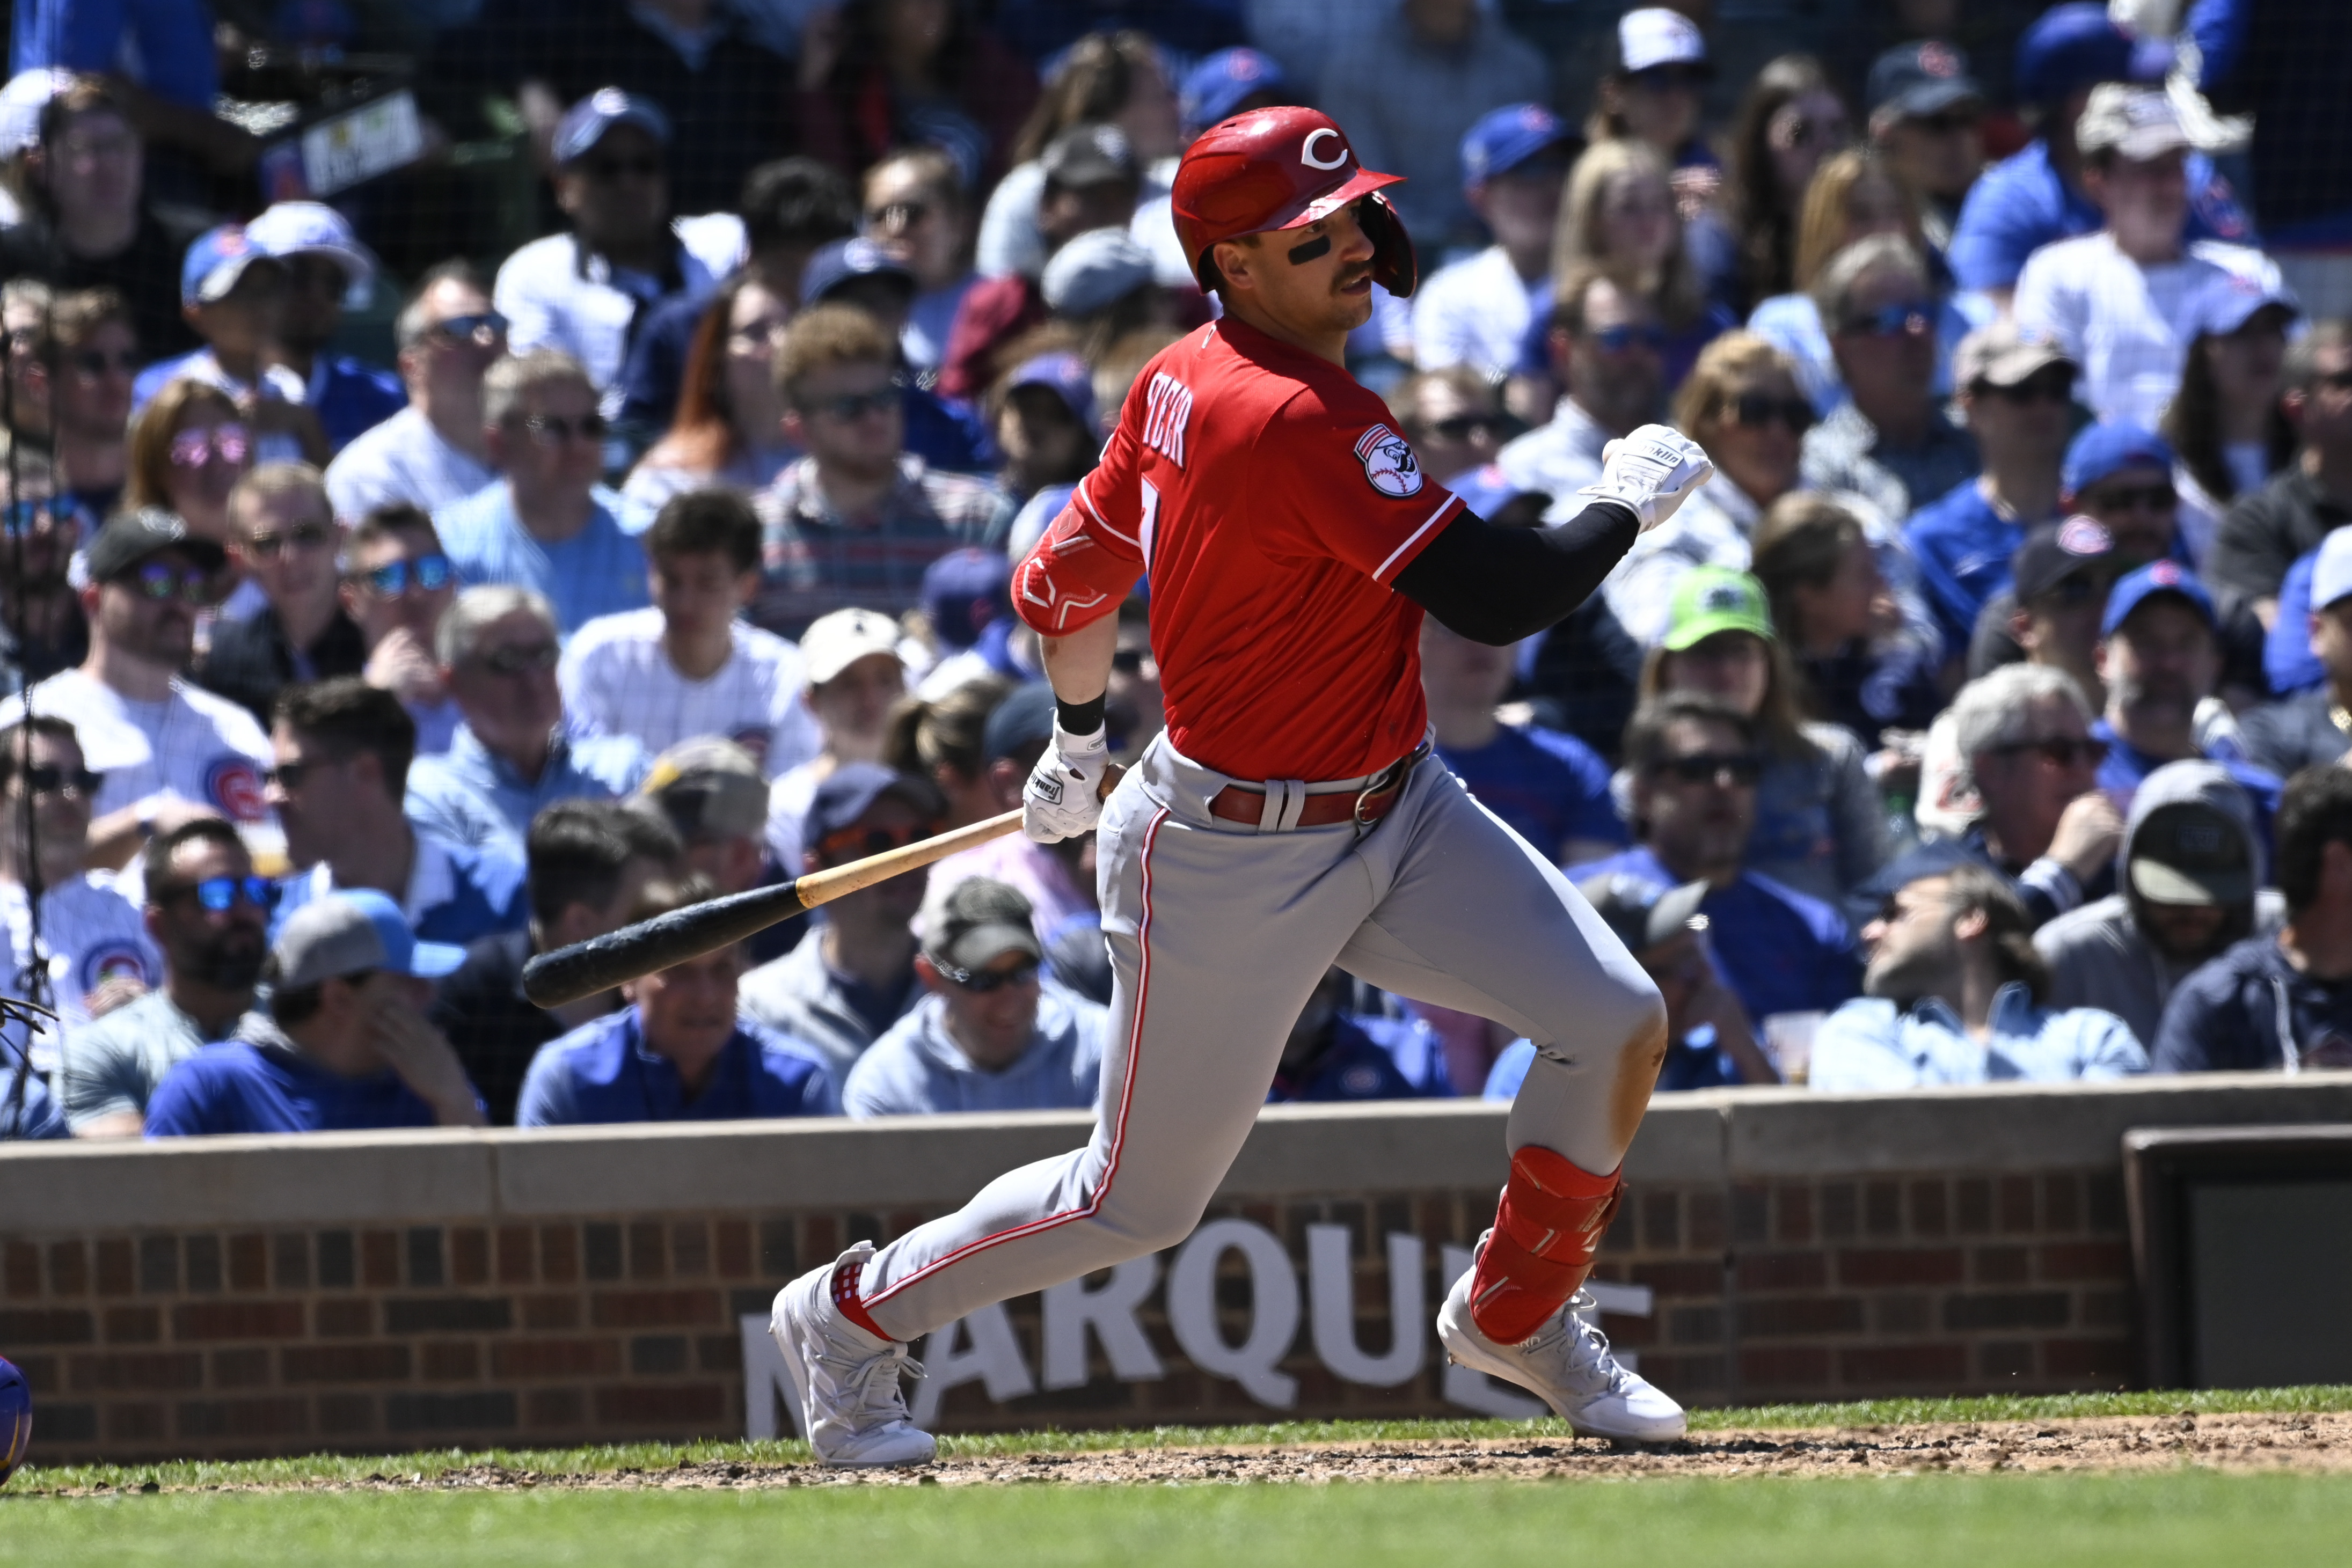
1566	1364
845	1379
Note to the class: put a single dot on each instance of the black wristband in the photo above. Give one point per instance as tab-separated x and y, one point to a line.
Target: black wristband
1078	718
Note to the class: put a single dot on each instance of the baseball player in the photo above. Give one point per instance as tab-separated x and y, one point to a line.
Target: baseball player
1291	817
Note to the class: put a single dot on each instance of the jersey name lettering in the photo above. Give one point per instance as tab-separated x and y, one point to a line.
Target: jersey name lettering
1168	409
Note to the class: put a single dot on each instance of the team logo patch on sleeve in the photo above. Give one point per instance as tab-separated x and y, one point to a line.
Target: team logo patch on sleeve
233	784
112	961
1389	462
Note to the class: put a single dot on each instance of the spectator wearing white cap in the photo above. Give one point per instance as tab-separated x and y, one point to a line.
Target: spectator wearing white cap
343	1046
1651	91
850	661
2314	728
585	292
2119	300
327	269
432	452
1477	312
689	666
1407	80
513	754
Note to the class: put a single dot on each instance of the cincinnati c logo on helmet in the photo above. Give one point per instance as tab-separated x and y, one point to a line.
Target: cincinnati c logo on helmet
1307	150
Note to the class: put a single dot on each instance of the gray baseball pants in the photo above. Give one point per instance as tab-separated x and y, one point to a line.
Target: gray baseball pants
1219	932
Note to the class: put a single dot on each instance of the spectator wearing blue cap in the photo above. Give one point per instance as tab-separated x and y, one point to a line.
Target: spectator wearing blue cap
1227	83
676	1052
2263	534
2286	62
2037	197
968	605
327	269
1042	416
1477	312
2228	423
885	75
854	975
2313	726
2120	300
234	294
2159	656
588	291
342	1044
1408	81
2121	474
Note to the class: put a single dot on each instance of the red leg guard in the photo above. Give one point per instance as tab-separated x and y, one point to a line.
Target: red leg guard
845	1296
1550	1224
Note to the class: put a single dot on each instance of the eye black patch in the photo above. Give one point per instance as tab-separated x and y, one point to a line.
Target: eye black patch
1313	250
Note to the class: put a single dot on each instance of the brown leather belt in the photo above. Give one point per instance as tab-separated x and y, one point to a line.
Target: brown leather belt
1239	803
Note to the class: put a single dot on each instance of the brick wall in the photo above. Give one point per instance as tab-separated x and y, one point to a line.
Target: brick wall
608	1328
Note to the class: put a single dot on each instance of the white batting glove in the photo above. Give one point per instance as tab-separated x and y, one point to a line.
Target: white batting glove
1064	796
1653	471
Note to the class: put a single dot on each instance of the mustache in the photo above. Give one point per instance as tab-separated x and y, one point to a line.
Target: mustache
1347	277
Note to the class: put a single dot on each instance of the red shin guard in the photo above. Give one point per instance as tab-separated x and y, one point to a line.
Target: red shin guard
845	1296
1550	1224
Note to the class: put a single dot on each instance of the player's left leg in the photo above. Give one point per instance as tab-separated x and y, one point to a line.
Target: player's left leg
1468	916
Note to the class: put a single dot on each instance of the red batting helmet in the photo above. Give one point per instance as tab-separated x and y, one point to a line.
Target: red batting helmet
1280	169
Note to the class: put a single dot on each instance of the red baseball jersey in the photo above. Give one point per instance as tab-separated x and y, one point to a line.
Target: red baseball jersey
1273	504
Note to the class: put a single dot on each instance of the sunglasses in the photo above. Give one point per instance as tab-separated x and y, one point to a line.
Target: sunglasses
1669	78
1128	661
157	582
483	328
2153	498
426	574
219	894
291	776
2042	386
554	430
1910	318
980	982
1736	769
45	779
1754	411
851	407
898	214
2060	751
856	844
610	169
91	363
301	537
2336	380
522	659
1949	122
1617	340
198	448
27	517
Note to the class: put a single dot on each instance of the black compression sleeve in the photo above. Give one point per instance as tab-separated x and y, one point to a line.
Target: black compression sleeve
1079	718
1497	585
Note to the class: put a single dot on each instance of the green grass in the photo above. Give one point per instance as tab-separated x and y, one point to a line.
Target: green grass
330	1467
2190	1518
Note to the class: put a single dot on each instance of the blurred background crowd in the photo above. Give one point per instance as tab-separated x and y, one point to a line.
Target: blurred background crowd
483	472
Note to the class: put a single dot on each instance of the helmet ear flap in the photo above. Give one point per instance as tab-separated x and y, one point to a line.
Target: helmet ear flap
1395	266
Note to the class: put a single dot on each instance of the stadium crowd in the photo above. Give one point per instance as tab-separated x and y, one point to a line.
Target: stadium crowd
401	584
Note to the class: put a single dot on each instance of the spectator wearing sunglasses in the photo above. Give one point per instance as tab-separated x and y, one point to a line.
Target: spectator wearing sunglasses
586	293
45	631
548	525
1477	312
2161	659
342	1044
2284	1002
188	447
166	748
326	266
1695	761
1606	348
1890	442
342	753
2015	390
678	1051
589	861
283	537
1654	91
396	584
514	755
2263	534
854	975
1453	418
1924	112
431	452
98	955
73	368
2119	300
989	1034
208	914
1955	994
858	519
234	294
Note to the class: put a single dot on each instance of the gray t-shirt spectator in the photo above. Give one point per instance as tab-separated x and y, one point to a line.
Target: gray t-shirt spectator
403	459
113	1065
800	996
914	1068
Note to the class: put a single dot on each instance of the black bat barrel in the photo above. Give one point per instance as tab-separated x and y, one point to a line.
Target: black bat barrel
601	963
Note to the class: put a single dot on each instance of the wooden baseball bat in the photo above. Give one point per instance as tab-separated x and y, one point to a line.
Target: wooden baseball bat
601	963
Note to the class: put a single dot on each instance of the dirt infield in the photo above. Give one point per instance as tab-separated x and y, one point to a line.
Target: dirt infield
2296	1442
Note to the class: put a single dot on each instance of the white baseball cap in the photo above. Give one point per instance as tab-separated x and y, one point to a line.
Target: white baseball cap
2226	300
2139	122
833	642
313	228
21	102
1655	36
2331	574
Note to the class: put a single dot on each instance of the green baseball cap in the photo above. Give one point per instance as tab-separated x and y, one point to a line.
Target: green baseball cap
1712	599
